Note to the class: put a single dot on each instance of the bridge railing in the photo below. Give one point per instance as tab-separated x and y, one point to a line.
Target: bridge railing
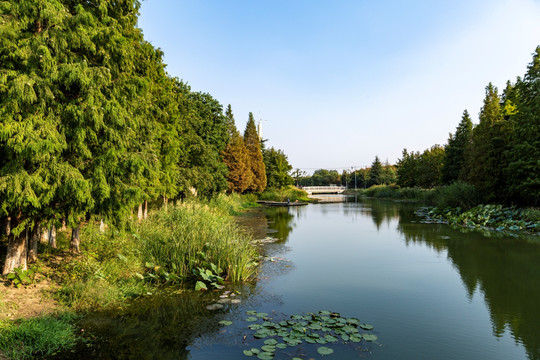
324	189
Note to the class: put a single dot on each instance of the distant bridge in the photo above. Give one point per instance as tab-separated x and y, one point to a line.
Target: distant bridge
332	189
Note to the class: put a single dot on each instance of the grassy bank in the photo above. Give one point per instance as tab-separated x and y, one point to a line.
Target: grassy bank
289	192
27	339
195	243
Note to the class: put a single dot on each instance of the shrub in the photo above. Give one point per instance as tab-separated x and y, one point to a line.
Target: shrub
458	194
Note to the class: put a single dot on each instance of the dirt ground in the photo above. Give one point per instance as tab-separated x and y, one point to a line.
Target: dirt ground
27	301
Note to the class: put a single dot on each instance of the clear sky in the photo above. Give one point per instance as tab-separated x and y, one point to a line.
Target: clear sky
337	82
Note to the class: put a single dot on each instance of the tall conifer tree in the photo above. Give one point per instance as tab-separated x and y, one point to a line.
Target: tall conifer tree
253	145
236	158
454	159
524	154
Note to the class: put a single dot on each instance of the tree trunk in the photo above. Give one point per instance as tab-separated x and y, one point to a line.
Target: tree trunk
165	202
139	213
52	236
145	209
33	244
16	250
75	240
8	225
101	226
44	237
64	227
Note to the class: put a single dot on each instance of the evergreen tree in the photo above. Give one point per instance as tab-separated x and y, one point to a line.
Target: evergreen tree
429	167
376	173
407	169
236	158
253	145
479	151
524	153
454	159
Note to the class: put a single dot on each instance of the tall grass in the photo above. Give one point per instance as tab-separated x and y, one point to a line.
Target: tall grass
458	194
192	234
395	192
289	192
44	336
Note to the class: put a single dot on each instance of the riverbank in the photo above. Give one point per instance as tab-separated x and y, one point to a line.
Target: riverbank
168	250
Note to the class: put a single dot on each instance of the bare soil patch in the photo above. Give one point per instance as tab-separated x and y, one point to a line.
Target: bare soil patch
27	301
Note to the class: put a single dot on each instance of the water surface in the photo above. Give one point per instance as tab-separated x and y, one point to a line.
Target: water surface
430	291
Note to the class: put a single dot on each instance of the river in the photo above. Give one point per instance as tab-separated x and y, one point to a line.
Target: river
429	290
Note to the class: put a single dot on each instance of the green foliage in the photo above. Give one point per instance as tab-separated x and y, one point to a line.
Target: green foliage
454	158
295	332
458	194
396	192
42	336
376	173
236	157
290	192
277	168
253	145
175	240
524	153
422	170
495	217
20	277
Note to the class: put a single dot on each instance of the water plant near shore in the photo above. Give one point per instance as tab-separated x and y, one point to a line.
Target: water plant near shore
315	332
495	217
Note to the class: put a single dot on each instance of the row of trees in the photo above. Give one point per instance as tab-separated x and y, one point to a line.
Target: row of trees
500	155
377	174
92	126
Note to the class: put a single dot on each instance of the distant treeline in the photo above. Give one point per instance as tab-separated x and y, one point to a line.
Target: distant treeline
92	126
500	156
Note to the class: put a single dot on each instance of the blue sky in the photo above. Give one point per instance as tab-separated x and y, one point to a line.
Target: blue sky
337	82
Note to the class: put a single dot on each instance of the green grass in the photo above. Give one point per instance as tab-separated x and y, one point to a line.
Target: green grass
395	192
116	266
289	192
43	336
194	235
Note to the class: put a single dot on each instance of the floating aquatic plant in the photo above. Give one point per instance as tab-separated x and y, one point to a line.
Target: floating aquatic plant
321	329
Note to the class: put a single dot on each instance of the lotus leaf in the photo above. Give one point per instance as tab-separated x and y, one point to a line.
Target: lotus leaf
268	348
271	342
366	326
225	322
265	356
248	353
323	350
369	337
281	346
261	314
330	338
251	318
251	312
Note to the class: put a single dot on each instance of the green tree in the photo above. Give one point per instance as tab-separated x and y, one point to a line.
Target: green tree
454	159
524	153
236	158
376	173
253	145
407	169
429	167
480	150
277	168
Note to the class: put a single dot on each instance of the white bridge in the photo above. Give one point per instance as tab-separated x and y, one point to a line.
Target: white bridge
332	189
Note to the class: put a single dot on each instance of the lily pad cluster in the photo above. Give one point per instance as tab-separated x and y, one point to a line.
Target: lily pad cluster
323	329
495	217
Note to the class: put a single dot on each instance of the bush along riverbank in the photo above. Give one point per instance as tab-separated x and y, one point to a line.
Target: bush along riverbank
492	217
193	245
289	192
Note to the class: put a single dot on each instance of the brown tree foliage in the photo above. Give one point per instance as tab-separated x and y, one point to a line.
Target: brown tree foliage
253	145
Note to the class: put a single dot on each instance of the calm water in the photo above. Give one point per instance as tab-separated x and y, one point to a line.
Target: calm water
430	291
